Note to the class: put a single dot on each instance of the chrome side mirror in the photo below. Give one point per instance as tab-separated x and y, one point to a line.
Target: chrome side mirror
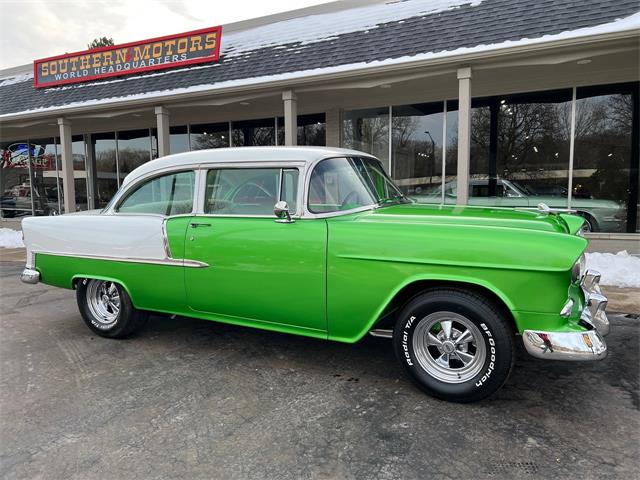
281	210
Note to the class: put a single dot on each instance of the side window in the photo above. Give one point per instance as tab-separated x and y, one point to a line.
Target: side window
166	195
250	191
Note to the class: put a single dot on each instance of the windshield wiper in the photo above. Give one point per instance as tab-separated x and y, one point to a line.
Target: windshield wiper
395	198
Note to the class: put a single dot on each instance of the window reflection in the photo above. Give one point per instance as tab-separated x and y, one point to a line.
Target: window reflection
133	150
254	133
312	130
417	147
209	135
15	183
179	139
602	182
45	177
104	154
368	131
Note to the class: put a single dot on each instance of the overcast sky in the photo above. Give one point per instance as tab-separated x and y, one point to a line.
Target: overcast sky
32	29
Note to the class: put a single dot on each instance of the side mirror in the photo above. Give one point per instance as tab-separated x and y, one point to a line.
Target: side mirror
281	210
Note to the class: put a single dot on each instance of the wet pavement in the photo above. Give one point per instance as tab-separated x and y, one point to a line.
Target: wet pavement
189	399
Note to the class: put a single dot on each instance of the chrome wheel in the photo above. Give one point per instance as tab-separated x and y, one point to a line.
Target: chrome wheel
449	347
103	301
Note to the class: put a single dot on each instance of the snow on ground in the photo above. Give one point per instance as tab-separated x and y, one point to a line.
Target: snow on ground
10	238
618	270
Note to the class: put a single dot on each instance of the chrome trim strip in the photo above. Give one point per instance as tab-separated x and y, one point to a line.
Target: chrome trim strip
165	239
570	346
30	276
381	332
163	261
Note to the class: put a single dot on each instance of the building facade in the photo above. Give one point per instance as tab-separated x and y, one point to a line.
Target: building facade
496	102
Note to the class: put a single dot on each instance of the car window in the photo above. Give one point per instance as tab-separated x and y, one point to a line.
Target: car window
336	185
250	191
482	190
166	195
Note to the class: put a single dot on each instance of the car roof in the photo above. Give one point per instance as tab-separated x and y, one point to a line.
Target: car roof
240	155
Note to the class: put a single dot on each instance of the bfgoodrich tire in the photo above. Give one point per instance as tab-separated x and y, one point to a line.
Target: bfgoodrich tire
454	344
107	310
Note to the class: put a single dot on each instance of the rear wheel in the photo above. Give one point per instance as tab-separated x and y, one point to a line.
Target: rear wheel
454	344
590	223
107	310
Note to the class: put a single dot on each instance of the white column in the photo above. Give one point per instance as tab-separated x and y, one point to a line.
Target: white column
333	117
464	134
162	121
68	179
290	117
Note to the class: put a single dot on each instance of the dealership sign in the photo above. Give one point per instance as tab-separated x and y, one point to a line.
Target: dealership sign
188	48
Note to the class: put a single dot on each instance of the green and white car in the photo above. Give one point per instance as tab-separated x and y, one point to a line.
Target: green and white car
319	242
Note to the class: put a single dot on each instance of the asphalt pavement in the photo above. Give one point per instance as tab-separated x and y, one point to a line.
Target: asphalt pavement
190	399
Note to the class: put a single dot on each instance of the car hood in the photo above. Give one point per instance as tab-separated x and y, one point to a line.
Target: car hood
473	216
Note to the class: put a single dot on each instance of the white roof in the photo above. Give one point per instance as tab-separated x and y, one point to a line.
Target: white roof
241	155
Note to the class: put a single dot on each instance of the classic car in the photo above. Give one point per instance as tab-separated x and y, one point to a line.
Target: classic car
599	215
320	242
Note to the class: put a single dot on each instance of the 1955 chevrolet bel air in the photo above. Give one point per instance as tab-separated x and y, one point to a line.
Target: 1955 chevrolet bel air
320	242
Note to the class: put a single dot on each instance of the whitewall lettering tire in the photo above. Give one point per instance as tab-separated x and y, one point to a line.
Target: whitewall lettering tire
454	344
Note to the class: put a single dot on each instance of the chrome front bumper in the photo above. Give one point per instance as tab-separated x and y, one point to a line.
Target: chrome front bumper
31	276
586	345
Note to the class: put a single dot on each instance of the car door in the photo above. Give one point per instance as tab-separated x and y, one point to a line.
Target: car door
259	270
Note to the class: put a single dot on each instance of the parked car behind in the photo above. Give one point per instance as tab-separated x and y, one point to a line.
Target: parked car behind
599	215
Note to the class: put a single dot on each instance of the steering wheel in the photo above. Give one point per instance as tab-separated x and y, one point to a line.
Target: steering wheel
352	197
251	184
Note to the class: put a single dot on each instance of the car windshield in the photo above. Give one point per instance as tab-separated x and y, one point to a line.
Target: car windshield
339	184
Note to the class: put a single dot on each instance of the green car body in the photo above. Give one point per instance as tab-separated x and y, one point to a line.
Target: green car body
335	276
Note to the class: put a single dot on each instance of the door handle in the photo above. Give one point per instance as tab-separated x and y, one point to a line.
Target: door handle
196	224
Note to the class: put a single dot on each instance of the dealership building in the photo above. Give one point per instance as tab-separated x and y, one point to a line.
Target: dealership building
492	102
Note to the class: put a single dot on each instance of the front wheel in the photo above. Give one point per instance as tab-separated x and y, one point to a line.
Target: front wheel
107	310
454	345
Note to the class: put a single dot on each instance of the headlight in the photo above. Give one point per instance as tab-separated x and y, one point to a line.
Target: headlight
578	269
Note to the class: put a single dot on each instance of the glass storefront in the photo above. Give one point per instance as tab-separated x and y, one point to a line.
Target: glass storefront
254	133
134	149
209	135
417	132
602	162
520	151
103	147
179	139
45	176
15	180
368	131
312	130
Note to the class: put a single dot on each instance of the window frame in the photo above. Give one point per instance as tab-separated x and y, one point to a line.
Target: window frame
118	199
202	187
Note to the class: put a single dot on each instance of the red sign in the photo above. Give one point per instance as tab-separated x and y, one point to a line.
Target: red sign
159	53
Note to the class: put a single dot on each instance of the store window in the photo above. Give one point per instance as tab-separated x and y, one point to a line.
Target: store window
103	146
417	132
46	179
134	149
15	181
79	153
312	130
254	133
368	131
604	189
209	135
179	139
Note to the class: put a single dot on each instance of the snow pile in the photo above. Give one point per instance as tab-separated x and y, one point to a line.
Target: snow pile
10	238
619	270
22	77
